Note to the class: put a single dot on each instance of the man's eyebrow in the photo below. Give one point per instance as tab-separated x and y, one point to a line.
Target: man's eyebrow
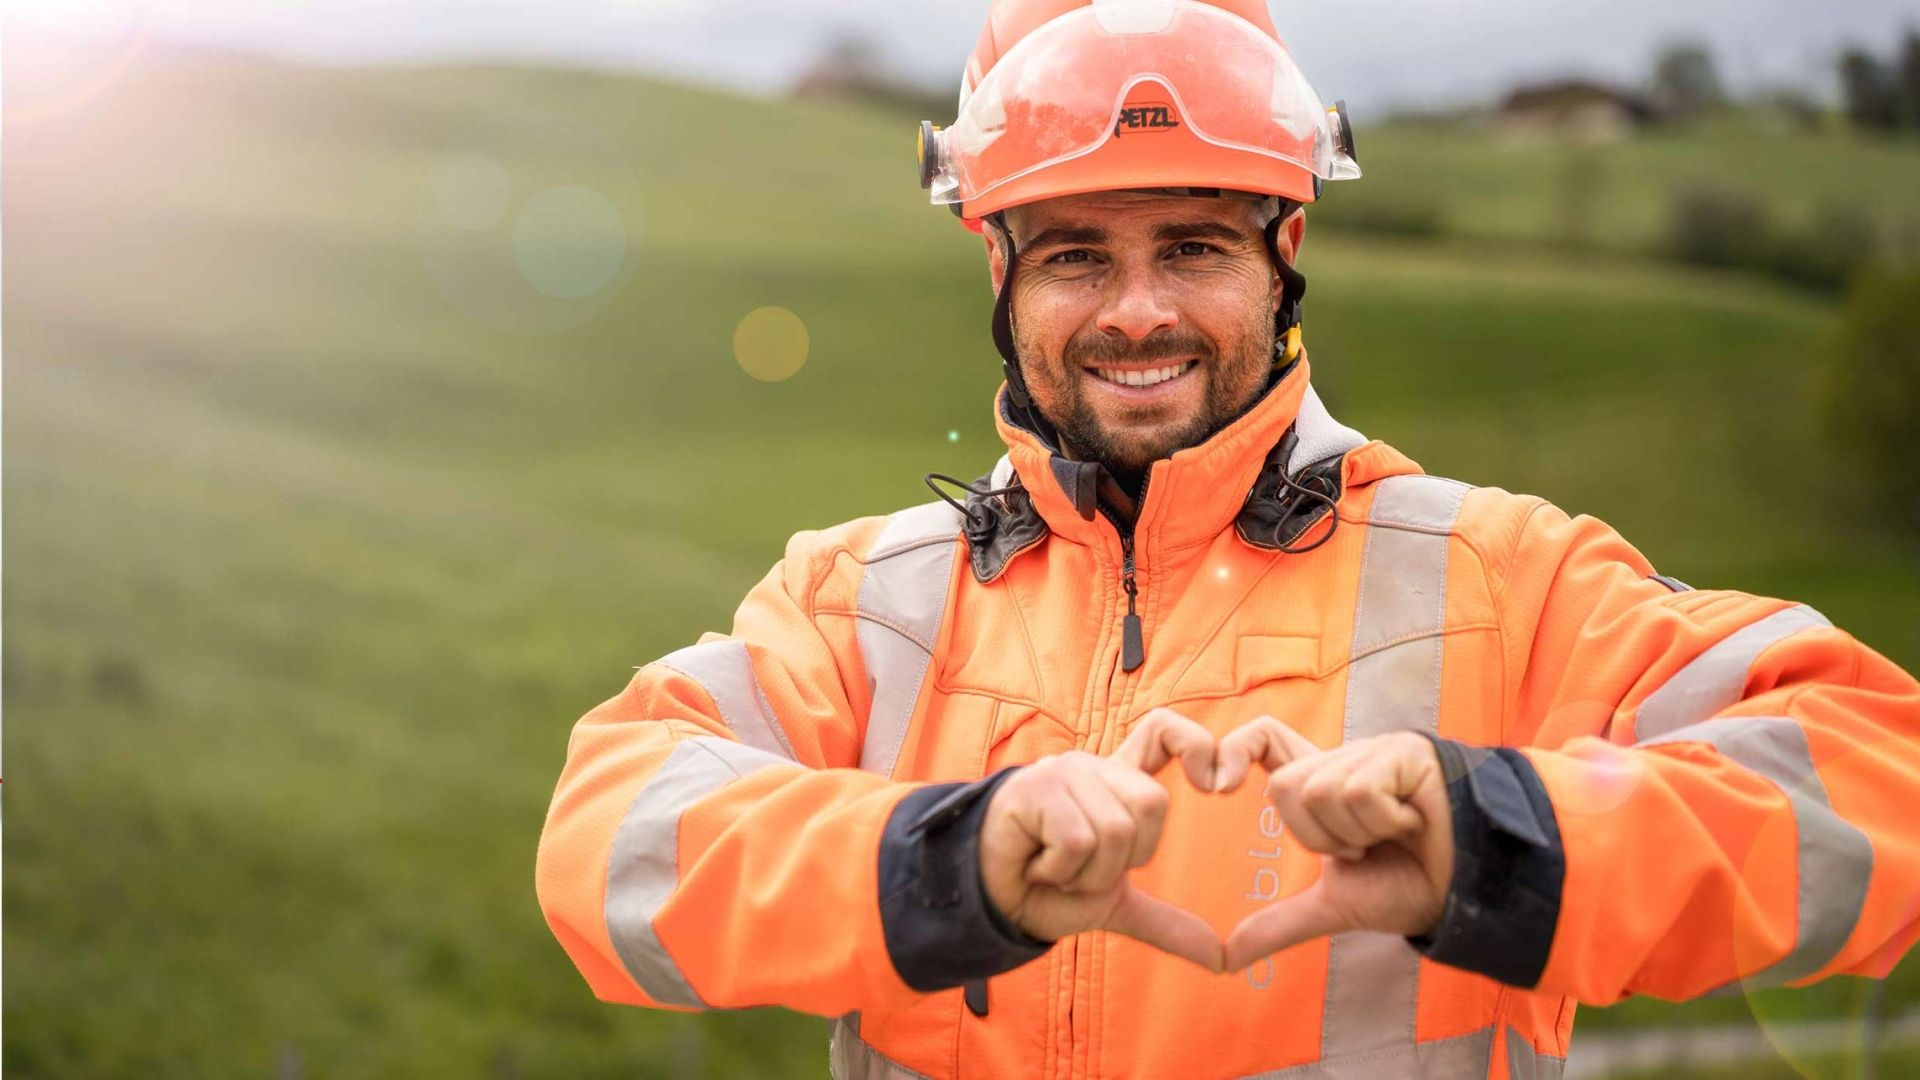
1066	234
1200	230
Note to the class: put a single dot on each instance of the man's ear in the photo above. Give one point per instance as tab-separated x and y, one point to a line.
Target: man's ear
1293	233
996	261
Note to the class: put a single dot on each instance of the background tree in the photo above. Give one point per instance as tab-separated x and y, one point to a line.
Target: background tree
1907	82
1686	82
1867	88
1873	389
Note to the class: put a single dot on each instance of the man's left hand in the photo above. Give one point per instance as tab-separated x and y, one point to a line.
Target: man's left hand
1375	810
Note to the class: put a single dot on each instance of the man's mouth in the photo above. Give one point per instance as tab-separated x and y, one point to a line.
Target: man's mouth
1144	377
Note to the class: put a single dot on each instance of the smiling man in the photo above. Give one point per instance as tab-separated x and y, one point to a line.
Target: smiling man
1449	760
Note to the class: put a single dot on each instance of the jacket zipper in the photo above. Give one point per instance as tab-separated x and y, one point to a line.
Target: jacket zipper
1133	649
1132	655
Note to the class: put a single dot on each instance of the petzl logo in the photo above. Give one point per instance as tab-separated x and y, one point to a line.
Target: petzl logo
1149	117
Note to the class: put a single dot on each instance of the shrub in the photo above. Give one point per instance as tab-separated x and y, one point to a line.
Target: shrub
1718	228
1826	256
1872	388
1402	217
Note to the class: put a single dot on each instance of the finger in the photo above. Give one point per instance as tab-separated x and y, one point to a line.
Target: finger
1285	789
1066	836
1373	796
1113	830
1146	800
1167	927
1325	793
1280	925
1162	735
1264	741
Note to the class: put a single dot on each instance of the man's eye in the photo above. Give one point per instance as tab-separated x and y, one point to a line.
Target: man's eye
1194	247
1074	255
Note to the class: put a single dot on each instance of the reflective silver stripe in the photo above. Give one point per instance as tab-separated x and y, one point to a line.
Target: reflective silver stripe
903	597
1393	684
643	868
1320	435
723	670
1463	1056
848	1058
1834	860
1714	679
1526	1063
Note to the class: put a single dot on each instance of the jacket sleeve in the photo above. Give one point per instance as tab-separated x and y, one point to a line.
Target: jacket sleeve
1725	780
712	842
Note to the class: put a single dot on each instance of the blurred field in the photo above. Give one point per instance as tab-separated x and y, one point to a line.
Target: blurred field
1620	196
324	523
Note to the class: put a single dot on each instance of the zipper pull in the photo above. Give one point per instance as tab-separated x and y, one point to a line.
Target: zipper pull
1133	650
976	996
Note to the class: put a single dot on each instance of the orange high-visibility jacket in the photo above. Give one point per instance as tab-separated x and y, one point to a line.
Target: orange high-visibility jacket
1707	788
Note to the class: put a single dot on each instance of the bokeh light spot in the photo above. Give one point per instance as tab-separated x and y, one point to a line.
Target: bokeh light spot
569	241
770	344
472	192
953	436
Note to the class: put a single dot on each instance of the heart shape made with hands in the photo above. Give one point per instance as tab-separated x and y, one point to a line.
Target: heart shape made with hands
1063	833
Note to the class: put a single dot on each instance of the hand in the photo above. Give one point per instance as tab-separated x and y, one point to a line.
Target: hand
1061	835
1375	809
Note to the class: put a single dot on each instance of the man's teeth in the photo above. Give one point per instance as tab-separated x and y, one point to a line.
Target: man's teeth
1143	378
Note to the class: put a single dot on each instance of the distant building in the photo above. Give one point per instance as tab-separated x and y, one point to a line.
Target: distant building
1576	109
851	68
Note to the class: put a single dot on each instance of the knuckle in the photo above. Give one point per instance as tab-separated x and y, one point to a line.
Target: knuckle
1319	790
1154	800
1077	840
1356	793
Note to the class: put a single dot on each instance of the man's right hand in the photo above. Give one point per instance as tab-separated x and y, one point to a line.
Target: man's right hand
1061	835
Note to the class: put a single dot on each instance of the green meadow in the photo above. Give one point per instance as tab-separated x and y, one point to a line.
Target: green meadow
364	427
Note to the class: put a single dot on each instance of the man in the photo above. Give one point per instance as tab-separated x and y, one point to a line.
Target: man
1449	760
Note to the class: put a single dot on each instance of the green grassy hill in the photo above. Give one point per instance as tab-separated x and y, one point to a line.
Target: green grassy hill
1621	196
324	521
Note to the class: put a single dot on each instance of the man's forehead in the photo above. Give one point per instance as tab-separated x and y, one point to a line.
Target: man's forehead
1114	210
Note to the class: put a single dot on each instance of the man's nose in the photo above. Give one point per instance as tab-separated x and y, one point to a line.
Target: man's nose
1137	305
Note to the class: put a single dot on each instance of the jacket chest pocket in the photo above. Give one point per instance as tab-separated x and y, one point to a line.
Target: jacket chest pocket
965	735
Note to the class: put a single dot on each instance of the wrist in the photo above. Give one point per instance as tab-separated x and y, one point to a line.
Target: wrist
941	927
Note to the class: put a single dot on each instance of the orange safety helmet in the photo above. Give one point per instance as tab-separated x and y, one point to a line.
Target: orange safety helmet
1063	97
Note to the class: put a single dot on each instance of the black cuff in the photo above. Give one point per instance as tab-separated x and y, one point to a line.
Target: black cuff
940	927
1508	866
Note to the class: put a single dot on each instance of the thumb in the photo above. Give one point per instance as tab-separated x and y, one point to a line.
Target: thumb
1283	924
1167	927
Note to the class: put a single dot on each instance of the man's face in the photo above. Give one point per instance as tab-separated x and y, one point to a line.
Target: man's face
1118	289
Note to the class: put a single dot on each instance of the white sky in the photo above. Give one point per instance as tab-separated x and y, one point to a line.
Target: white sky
1376	53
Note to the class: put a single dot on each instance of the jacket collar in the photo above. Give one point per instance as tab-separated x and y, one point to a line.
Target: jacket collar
1192	495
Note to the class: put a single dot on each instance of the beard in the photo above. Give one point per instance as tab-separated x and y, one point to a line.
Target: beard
1232	381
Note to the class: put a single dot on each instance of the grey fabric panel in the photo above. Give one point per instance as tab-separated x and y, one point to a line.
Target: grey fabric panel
1320	435
849	1058
724	671
1373	979
1526	1063
1463	1057
903	597
643	868
1834	859
1403	574
1373	986
1714	679
1430	503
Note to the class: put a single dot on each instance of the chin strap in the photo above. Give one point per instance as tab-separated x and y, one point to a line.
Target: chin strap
1286	321
1003	340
